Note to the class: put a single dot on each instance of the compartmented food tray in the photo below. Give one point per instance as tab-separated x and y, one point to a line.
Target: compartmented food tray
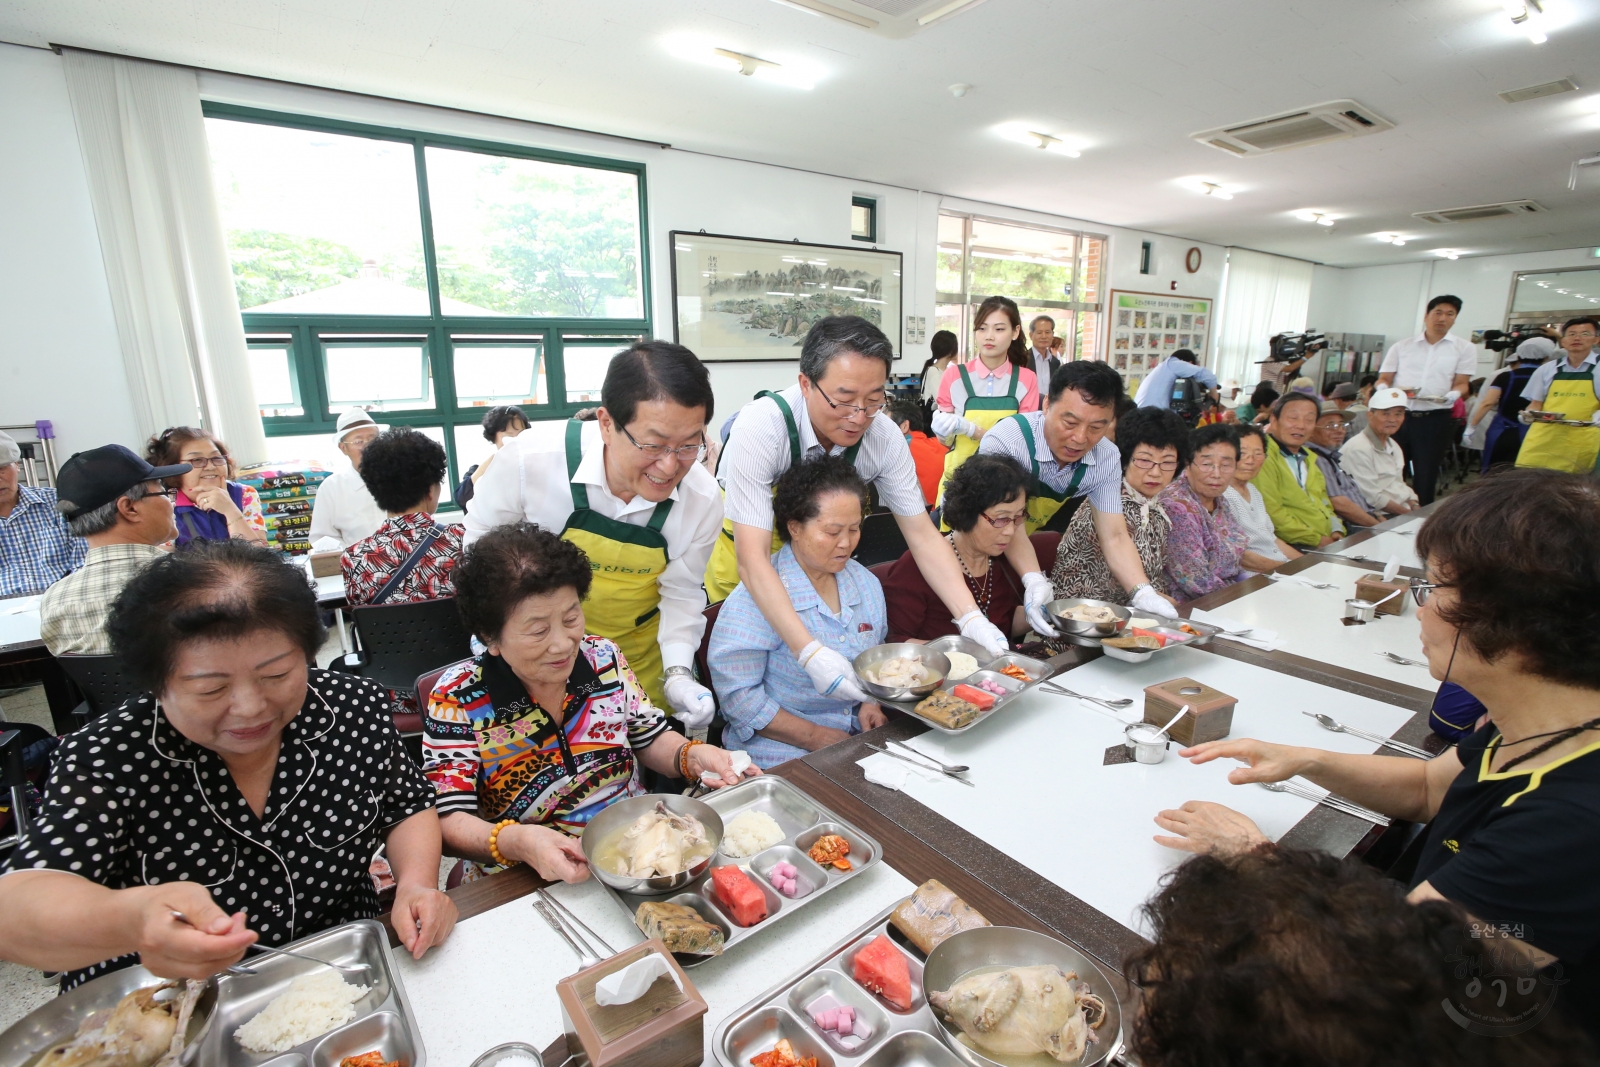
989	668
802	821
383	1021
1178	639
913	1038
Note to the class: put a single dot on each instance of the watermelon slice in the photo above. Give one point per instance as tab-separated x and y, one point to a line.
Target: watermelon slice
742	898
881	968
1163	638
974	695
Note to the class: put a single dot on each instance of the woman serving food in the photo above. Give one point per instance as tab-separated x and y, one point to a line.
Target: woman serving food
529	741
240	798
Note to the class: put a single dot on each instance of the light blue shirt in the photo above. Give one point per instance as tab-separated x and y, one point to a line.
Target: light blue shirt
1544	375
755	674
1156	390
1101	482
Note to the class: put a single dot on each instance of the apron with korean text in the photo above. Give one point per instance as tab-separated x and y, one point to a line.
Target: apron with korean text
984	412
1565	448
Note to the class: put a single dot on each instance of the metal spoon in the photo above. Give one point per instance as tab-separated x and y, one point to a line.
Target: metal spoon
948	768
1061	690
236	969
1328	800
918	763
240	969
1328	722
1401	659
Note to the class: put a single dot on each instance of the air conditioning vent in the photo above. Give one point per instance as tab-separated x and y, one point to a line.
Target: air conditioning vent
1534	92
887	18
1480	211
1333	121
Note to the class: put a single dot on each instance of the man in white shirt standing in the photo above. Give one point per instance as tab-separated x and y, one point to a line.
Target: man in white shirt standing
630	490
1373	459
1047	351
1433	370
343	509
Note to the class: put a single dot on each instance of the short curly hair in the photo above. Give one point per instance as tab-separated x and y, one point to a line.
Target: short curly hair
210	590
1284	956
979	484
400	466
799	492
1521	550
508	565
1214	434
501	418
1156	427
164	448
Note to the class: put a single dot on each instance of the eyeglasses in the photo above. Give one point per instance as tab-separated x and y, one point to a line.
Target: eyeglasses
1005	523
693	453
1421	590
1167	465
852	410
210	461
1210	467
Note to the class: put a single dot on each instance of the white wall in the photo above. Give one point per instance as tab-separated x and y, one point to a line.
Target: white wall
59	355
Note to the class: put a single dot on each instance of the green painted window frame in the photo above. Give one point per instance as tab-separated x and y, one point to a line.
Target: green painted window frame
307	366
871	204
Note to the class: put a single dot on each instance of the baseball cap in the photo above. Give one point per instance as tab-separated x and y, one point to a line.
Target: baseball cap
100	475
352	420
9	451
1329	408
1386	398
1344	391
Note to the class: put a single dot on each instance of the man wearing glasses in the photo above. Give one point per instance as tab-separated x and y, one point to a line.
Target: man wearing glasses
629	489
35	547
836	408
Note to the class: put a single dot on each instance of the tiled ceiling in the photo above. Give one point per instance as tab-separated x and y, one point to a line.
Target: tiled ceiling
1130	80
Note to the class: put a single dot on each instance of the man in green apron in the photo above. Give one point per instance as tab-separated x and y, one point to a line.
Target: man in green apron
835	408
630	491
1568	388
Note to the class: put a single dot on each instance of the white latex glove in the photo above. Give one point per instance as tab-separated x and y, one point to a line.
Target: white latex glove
1147	600
693	702
1525	416
1595	419
831	674
1452	396
1037	592
975	627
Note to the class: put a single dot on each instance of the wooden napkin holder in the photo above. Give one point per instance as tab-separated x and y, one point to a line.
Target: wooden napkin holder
663	1028
324	564
1375	589
1210	710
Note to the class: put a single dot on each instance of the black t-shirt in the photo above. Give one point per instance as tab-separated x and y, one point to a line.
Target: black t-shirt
1522	848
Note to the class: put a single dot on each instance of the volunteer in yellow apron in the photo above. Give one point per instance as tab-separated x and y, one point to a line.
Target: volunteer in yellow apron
722	571
1044	502
1572	394
983	412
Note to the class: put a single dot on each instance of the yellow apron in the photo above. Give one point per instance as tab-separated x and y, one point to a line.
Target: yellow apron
624	602
1565	448
722	570
984	411
1044	502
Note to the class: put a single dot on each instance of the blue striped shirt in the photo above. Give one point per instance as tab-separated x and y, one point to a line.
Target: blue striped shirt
755	674
36	551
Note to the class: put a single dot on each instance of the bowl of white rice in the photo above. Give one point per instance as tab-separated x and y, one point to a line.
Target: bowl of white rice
313	1004
750	832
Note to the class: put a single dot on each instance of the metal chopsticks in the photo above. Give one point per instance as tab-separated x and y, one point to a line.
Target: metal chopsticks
567	927
1328	800
919	764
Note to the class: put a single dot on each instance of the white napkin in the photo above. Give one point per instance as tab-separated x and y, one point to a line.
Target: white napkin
1309	583
1391	568
891	773
20	606
741	763
1214	619
631	983
1265	640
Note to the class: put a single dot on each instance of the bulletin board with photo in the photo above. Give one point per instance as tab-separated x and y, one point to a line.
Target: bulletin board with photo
1146	328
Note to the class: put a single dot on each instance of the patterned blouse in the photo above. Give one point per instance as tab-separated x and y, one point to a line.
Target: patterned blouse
489	749
1204	548
1081	569
368	563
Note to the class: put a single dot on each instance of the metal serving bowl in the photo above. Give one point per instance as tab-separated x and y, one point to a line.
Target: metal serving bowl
1056	608
995	947
869	660
58	1020
619	816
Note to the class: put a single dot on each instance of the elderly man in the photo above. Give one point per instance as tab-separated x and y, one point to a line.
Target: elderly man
36	549
1347	398
1433	369
1374	460
1047	350
1291	481
1349	503
343	509
115	501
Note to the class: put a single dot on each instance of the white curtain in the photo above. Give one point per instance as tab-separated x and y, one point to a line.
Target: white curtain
1262	295
144	147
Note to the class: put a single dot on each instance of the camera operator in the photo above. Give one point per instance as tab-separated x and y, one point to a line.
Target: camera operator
1502	400
1160	389
1435	365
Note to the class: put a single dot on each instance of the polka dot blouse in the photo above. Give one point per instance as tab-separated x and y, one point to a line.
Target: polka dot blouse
131	802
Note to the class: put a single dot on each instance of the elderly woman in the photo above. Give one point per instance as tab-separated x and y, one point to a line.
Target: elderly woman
241	798
1509	612
1264	550
1207	542
985	506
529	741
768	700
207	505
1154	443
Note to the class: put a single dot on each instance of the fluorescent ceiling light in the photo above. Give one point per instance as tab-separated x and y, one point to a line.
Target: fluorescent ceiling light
793	72
1021	133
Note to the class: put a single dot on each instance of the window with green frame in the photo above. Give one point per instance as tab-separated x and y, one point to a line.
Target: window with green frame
421	277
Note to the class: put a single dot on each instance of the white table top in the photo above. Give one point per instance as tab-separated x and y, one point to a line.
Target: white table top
19	620
1401	542
1310	624
330	588
494	980
1045	798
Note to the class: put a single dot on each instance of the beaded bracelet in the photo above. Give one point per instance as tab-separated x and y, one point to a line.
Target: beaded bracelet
683	757
494	843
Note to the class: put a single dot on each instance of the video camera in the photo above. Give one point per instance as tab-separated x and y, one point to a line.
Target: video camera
1290	347
1508	340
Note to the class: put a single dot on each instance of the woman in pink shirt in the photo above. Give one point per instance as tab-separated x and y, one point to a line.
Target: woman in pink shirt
975	395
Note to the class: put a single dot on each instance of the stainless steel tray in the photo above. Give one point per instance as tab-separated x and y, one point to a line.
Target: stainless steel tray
988	667
915	1038
56	1021
1127	655
802	820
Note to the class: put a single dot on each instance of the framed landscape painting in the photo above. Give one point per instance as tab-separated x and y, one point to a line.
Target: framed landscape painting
746	299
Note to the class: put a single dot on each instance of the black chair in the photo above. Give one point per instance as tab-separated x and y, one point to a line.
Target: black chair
881	540
702	671
102	681
401	642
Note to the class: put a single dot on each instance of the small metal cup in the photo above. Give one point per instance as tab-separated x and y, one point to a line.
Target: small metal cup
1147	743
1360	610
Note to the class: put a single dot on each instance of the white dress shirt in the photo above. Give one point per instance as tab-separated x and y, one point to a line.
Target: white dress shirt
344	510
1380	472
529	481
1544	375
757	454
1429	369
